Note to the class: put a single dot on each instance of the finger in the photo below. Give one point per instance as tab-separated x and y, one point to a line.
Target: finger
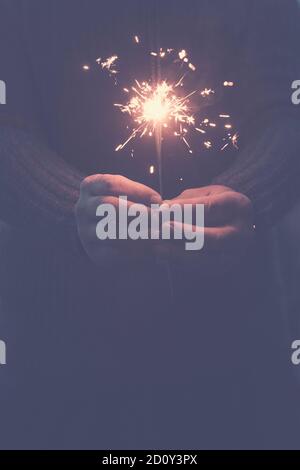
116	185
203	191
219	209
118	205
117	202
215	238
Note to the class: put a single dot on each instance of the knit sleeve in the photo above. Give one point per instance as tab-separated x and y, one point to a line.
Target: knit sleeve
36	185
37	188
267	168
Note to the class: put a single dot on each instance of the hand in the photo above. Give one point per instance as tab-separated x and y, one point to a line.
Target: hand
228	226
106	189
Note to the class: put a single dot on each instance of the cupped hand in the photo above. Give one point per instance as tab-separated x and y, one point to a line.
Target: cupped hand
228	226
107	189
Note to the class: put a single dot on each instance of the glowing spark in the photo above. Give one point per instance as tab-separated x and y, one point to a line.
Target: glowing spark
154	106
192	67
187	144
207	92
182	54
234	140
224	147
163	108
152	169
110	64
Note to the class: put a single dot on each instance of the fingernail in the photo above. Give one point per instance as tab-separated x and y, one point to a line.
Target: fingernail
156	199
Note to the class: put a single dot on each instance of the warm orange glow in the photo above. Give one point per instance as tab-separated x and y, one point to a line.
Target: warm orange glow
156	109
163	108
159	105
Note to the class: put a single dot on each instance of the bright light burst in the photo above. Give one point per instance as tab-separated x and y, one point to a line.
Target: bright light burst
157	106
166	108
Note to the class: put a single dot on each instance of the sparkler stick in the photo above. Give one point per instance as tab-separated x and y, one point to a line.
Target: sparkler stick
158	145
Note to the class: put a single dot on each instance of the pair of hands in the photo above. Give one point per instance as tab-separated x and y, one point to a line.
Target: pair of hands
228	218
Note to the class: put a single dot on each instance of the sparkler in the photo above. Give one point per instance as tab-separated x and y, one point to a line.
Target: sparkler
161	108
154	107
